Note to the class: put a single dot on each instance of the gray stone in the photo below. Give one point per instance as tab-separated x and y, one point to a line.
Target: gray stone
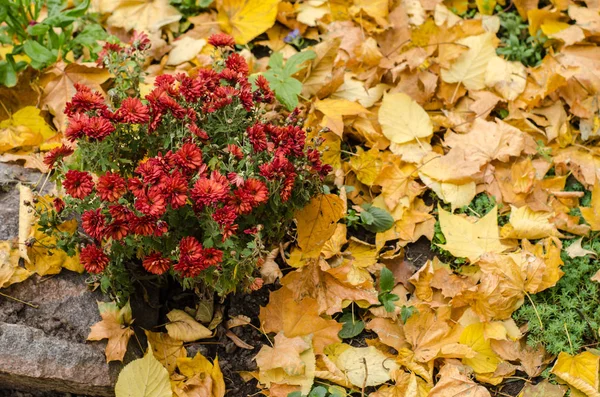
45	348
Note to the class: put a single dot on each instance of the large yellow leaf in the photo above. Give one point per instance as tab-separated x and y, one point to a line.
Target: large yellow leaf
529	224
144	377
301	318
365	366
456	382
470	67
290	361
166	349
366	165
592	214
317	223
470	239
580	371
486	360
144	15
246	19
183	327
334	111
203	378
10	271
116	327
24	129
402	119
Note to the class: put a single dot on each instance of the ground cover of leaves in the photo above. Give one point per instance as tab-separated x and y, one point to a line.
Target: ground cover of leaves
475	125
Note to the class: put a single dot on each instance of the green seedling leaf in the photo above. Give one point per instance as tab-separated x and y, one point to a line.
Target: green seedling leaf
379	220
386	280
351	327
406	312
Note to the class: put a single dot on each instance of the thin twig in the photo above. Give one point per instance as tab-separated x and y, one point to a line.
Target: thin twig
19	300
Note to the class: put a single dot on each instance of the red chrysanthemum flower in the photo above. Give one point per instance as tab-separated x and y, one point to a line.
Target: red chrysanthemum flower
144	226
235	151
98	128
59	205
257	136
140	41
76	127
117	229
251	194
211	190
155	263
111	187
120	213
94	223
188	157
199	132
264	94
84	100
107	49
78	184
190	257
132	111
221	40
256	284
288	187
235	179
93	259
176	187
152	203
225	216
136	186
237	63
57	154
211	256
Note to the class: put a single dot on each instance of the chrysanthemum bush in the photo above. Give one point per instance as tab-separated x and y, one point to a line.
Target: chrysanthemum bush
192	180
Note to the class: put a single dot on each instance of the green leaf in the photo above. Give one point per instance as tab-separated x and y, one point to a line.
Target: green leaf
351	327
386	280
388	300
337	391
40	55
382	220
286	91
293	64
367	218
8	73
406	312
38	29
318	391
276	62
90	35
295	394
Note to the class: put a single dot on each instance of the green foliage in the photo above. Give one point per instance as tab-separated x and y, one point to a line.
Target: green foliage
568	311
351	326
63	31
517	43
322	391
406	312
386	284
376	220
190	8
286	87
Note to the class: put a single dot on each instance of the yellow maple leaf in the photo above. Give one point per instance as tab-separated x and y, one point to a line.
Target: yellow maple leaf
290	361
455	381
166	349
24	129
470	67
485	361
334	111
580	371
317	223
470	239
116	327
592	214
203	378
143	15
403	120
246	19
366	165
529	224
284	313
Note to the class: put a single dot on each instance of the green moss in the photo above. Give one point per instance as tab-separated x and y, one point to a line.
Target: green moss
570	311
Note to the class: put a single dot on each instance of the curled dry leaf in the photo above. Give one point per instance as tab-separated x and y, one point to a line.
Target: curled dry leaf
183	327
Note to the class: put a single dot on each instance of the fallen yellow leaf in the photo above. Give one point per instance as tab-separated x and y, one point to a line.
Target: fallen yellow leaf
246	19
580	371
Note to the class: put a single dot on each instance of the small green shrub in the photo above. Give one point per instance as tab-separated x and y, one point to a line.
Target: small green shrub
517	43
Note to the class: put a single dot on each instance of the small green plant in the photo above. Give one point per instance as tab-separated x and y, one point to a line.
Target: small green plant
517	43
190	8
322	391
63	31
279	76
544	151
375	220
386	284
351	326
568	311
406	312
